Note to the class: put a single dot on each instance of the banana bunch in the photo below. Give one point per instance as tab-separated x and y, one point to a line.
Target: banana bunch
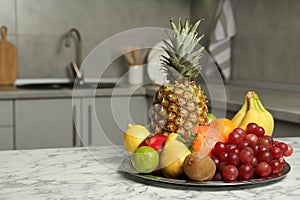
253	111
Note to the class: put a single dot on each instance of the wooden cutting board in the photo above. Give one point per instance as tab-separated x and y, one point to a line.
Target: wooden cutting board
8	60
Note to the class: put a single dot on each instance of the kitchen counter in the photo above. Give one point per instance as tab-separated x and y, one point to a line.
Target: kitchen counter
75	173
284	105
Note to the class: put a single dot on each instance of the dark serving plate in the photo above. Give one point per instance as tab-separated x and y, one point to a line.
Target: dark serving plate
127	167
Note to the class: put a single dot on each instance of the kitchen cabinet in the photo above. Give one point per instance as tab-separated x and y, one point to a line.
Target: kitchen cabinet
46	123
105	119
6	125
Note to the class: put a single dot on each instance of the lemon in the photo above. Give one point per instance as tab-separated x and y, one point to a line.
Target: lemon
133	137
145	159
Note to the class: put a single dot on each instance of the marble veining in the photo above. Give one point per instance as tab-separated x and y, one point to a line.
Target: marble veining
92	173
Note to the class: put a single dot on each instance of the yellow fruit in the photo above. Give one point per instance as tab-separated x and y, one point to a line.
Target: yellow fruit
173	156
256	113
252	115
266	117
133	136
239	116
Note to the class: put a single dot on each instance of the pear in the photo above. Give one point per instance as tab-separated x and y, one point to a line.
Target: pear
173	156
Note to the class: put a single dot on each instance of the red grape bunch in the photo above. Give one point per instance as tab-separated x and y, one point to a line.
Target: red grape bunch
249	154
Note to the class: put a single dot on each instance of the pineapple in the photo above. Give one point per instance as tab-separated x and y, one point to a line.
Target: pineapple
180	104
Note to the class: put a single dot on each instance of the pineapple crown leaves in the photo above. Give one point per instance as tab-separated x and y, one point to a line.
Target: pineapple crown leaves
183	61
187	139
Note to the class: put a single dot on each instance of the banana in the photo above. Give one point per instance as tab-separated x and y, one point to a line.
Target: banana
239	116
267	119
253	113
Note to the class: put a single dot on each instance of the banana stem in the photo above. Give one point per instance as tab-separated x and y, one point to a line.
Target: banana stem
250	97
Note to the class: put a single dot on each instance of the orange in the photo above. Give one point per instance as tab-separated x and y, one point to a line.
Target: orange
206	139
224	126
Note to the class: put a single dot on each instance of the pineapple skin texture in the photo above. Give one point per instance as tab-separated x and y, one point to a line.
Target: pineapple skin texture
178	107
173	156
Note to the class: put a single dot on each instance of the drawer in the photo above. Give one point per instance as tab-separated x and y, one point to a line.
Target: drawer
6	113
6	138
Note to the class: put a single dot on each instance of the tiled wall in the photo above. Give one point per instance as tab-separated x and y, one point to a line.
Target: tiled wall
267	44
37	28
266	47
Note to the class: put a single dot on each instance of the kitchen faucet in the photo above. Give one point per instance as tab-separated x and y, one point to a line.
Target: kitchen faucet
75	65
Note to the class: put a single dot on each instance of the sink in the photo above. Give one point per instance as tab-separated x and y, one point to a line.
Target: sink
58	86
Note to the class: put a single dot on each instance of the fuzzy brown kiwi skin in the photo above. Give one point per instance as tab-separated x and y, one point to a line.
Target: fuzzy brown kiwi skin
199	167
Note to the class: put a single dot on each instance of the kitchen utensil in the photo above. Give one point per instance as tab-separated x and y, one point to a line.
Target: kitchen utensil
8	60
136	56
135	74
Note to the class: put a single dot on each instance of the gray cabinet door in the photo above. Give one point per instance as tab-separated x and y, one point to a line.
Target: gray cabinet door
6	138
6	125
106	118
6	113
44	123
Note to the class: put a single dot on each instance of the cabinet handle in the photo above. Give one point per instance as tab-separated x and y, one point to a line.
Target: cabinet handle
90	124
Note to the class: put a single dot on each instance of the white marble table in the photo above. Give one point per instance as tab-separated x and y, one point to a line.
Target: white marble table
79	173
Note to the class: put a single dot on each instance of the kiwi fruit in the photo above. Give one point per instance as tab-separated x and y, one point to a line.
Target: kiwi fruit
199	167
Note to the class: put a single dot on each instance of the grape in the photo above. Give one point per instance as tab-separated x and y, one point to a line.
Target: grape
263	169
252	138
282	161
229	147
249	149
222	165
259	132
233	159
223	156
251	127
276	166
266	141
283	146
262	148
217	176
244	143
241	132
289	150
255	148
230	173
246	155
234	150
265	156
219	148
246	171
235	138
216	161
254	162
276	152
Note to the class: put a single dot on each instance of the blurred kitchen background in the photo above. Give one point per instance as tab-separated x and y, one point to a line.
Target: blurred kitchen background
264	49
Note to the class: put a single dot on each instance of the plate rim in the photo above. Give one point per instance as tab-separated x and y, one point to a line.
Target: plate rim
127	167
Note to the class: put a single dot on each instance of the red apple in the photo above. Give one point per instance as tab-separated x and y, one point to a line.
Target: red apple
155	141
